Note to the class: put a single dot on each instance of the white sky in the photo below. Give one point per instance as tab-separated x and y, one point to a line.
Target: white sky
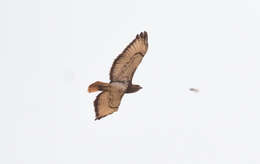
51	50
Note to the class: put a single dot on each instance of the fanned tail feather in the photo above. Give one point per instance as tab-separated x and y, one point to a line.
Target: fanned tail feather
97	86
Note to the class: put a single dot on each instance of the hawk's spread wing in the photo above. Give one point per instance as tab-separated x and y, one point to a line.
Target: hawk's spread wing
126	63
108	102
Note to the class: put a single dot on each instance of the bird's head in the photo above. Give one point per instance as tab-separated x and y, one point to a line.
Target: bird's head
135	88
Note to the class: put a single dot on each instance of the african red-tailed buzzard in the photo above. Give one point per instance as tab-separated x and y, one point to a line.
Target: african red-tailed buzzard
121	75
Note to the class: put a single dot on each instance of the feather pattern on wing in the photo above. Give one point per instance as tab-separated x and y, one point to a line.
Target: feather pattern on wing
126	63
108	102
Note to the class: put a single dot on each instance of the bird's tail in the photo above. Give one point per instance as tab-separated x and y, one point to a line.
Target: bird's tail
98	86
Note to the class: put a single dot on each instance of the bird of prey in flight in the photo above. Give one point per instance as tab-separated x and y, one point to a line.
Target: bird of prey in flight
121	75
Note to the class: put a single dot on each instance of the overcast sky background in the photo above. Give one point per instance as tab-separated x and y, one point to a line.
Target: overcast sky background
51	50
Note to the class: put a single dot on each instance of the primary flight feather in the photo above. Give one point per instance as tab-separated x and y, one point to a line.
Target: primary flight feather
121	75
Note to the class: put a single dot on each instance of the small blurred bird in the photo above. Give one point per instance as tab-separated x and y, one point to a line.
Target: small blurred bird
194	90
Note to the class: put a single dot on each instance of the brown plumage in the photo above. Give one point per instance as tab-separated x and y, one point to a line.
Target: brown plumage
121	75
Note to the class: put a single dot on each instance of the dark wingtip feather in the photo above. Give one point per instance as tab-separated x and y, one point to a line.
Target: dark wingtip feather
98	118
143	35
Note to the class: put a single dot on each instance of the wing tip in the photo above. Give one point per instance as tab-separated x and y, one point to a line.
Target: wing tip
143	35
98	118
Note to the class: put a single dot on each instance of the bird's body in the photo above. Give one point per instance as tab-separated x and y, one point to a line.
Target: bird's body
121	75
101	86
